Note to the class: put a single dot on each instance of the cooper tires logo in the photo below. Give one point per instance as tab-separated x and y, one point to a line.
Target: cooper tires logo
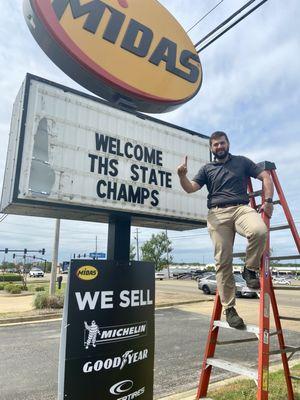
87	273
121	387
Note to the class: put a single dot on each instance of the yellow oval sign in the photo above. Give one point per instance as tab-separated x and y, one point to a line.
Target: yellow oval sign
87	273
127	51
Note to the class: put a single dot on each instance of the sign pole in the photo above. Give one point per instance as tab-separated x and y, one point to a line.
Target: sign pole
118	243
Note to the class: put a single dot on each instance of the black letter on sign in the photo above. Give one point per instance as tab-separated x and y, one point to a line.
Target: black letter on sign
155	200
185	58
95	9
101	195
167	51
129	42
101	142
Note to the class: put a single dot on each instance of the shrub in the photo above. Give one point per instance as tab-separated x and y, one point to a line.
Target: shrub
13	289
1	286
44	300
40	289
10	278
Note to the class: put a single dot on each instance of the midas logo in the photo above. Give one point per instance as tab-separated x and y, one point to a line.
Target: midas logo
87	273
123	50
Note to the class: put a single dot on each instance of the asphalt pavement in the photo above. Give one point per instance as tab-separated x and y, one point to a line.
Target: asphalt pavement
29	355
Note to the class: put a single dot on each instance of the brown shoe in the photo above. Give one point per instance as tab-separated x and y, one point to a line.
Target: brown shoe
251	278
233	319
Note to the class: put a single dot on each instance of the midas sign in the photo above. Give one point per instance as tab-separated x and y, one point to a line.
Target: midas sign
131	52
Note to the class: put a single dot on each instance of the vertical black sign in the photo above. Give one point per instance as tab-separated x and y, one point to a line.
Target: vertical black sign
107	344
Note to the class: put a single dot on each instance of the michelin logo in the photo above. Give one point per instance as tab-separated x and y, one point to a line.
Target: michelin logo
128	358
95	335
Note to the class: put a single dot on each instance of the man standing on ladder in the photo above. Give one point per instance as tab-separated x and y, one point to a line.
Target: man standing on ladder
226	180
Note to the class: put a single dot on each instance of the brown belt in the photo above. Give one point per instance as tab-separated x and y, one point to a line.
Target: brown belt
228	205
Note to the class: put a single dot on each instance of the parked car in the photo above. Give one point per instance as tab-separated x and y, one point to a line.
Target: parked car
281	281
36	273
160	275
208	285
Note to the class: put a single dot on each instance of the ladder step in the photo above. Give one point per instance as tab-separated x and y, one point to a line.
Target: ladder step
249	328
289	318
295	377
295	257
232	367
279	227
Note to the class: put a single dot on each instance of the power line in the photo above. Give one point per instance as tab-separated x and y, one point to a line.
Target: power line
204	16
229	27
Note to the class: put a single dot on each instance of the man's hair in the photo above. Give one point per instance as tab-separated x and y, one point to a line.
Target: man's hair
218	135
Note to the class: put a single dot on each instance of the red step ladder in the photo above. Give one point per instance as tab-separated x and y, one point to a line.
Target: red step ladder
267	297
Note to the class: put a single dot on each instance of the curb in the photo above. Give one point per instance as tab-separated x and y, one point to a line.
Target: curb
58	315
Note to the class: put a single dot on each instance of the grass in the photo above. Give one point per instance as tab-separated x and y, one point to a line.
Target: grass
33	286
246	389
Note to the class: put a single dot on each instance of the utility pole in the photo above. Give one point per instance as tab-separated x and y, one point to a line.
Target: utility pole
96	244
168	266
137	244
54	258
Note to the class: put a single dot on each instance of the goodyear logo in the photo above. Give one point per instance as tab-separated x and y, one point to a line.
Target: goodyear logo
87	273
119	49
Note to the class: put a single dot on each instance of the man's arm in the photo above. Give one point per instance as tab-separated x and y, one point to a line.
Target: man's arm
187	185
268	189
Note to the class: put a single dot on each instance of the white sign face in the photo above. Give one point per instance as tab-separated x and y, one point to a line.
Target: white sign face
72	156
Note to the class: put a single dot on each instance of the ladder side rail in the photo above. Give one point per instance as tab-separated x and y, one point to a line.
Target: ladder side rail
286	209
281	342
210	348
250	190
264	319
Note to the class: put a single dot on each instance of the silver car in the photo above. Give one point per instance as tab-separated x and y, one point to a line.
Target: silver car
208	285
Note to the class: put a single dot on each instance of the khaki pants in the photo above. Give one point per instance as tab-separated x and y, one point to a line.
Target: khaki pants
222	224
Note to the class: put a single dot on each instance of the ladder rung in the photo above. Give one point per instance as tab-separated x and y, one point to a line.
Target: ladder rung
295	377
232	367
289	318
238	254
279	227
295	257
248	328
255	193
287	349
253	339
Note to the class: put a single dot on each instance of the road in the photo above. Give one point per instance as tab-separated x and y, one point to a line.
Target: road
29	355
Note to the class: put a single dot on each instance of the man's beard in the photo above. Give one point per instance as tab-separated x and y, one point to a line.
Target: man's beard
222	154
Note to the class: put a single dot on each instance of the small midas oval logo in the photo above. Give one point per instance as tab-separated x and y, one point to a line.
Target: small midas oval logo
87	273
131	51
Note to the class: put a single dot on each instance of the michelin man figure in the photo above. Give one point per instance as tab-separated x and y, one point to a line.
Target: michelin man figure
93	331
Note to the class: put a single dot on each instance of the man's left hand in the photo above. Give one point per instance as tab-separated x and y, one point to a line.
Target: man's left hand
267	208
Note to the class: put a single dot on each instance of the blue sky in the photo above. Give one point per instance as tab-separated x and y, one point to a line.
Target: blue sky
251	90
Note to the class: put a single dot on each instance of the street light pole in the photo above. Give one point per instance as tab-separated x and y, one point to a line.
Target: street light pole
54	258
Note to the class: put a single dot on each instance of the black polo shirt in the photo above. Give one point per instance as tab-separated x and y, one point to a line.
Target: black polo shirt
227	182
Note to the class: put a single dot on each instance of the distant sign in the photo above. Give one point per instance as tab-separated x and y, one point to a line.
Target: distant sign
107	345
130	51
98	255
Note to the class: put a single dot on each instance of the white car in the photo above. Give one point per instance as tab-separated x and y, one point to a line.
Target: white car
160	275
36	273
281	281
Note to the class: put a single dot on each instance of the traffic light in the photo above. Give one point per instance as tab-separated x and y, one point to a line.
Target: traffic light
25	251
6	250
34	257
43	251
78	255
14	255
84	255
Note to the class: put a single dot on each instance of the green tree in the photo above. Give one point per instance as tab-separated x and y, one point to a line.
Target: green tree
157	250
